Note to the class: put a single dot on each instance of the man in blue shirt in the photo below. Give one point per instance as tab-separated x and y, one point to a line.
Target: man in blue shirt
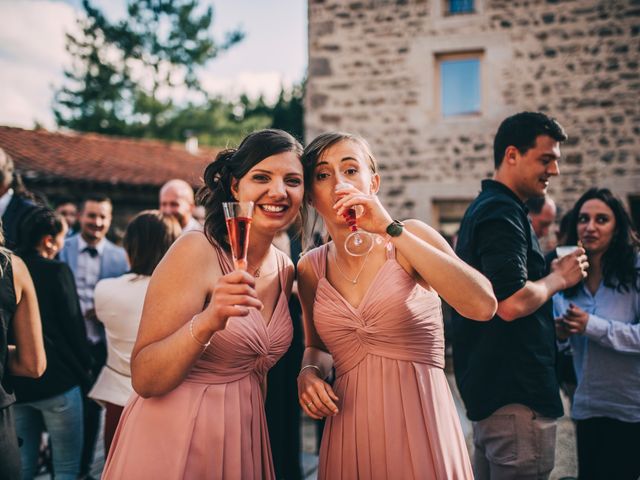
505	368
92	257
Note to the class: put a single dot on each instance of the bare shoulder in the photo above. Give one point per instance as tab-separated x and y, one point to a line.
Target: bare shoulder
306	272
20	272
192	261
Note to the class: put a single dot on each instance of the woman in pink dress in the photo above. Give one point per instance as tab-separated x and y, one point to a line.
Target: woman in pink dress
377	319
209	334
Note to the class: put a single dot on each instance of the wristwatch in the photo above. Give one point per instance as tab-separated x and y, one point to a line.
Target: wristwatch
395	228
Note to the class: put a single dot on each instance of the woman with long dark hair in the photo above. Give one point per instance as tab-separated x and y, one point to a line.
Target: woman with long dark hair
210	333
601	318
54	401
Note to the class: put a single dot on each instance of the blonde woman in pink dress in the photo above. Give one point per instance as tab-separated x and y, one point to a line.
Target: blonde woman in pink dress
209	334
377	319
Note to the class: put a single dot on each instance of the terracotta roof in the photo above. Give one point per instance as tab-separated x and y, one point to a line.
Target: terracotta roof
43	155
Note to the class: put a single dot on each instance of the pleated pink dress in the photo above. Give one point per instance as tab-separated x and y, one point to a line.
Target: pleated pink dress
212	426
397	418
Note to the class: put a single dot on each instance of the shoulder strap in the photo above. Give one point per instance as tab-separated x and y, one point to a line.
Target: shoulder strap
318	259
223	260
281	258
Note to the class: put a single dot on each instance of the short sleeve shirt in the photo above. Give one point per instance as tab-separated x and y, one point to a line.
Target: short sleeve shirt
497	362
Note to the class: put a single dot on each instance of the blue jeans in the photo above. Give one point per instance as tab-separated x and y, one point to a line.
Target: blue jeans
61	416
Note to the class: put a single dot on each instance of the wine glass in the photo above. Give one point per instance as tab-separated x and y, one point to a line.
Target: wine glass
358	242
238	216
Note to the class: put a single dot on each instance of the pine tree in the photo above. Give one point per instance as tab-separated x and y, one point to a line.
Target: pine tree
125	72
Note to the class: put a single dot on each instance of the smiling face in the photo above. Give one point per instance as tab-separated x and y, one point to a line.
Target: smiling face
343	162
276	187
95	220
533	169
596	226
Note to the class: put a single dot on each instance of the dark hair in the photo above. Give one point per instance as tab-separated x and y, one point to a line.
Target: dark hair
64	201
95	197
37	223
521	131
235	163
619	261
563	228
147	238
535	204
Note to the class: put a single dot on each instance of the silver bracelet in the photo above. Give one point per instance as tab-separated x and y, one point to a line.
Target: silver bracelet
203	345
311	366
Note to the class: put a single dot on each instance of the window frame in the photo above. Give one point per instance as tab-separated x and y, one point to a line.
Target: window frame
446	9
476	54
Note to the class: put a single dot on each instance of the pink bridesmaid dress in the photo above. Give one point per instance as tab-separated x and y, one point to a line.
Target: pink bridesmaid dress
397	418
213	424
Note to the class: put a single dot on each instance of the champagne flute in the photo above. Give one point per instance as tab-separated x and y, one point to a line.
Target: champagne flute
238	216
358	242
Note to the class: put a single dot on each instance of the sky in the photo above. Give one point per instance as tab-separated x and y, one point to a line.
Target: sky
32	51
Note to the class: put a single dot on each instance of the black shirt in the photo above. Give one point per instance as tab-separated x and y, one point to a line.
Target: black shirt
7	311
497	363
63	330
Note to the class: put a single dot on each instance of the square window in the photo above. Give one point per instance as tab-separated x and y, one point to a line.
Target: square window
460	84
455	7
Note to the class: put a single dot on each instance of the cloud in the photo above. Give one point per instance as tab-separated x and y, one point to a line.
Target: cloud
32	56
250	83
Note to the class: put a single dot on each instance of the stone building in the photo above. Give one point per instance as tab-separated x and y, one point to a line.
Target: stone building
427	82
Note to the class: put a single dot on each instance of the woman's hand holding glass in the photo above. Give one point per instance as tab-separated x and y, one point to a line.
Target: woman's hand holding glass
316	397
233	295
371	215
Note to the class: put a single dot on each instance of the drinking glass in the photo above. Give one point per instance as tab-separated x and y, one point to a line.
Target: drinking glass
238	216
564	250
358	242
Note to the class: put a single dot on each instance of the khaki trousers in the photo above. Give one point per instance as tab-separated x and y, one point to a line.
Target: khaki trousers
514	443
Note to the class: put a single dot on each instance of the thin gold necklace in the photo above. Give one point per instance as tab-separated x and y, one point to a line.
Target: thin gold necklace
355	280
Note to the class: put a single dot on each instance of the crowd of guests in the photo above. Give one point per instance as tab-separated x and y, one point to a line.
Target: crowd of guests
196	364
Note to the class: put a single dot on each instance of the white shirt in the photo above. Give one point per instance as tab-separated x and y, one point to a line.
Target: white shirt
192	225
87	275
119	307
4	201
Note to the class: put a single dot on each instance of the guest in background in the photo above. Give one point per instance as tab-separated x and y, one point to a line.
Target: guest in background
69	211
14	202
542	213
92	257
54	401
21	349
119	303
601	318
177	199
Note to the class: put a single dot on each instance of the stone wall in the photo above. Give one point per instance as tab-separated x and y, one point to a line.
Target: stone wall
372	71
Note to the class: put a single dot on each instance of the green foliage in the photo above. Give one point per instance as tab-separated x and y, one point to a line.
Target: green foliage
124	71
124	75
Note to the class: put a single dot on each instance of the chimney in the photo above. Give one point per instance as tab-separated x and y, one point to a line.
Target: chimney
191	144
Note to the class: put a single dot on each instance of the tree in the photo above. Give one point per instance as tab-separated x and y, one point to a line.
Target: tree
125	72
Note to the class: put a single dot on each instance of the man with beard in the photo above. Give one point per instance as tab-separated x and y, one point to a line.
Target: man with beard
92	257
